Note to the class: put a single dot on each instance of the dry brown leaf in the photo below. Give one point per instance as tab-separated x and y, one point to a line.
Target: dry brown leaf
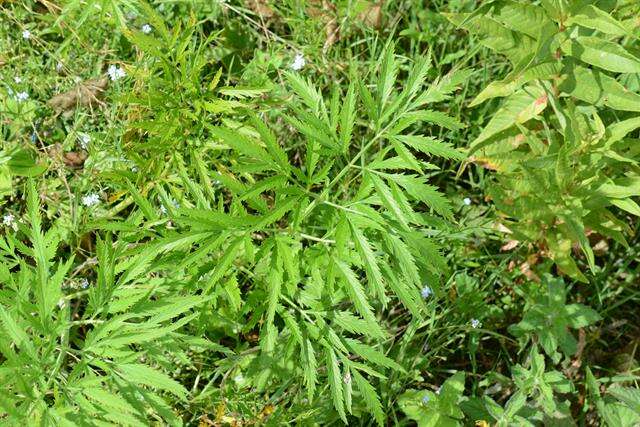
84	94
261	8
74	159
485	162
502	228
372	15
525	268
326	11
572	370
601	248
511	244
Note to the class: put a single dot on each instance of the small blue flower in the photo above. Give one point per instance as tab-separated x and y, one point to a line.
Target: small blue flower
425	399
475	323
426	292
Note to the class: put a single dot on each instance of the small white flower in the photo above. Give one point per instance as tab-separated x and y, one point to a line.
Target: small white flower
475	323
238	378
59	67
425	399
9	220
84	141
91	200
163	210
426	292
298	62
466	201
84	283
115	73
146	28
17	79
347	378
26	34
22	96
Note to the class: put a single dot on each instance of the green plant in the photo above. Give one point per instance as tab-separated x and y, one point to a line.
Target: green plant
314	240
536	399
547	320
559	141
441	408
245	213
620	406
76	348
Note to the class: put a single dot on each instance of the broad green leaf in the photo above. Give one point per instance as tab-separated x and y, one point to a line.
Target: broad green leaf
597	88
601	53
592	17
519	108
521	17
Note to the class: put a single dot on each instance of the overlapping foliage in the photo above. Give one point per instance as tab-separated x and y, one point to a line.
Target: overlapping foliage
559	139
247	213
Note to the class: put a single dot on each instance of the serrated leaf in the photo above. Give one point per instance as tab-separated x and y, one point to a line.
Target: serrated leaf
430	145
370	397
141	374
371	265
389	201
335	382
372	355
357	295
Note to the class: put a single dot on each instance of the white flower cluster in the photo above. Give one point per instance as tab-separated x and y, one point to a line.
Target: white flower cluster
91	200
115	72
298	62
22	96
9	220
84	140
426	292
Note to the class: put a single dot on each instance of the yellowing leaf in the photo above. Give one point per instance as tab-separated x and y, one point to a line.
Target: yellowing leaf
519	108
